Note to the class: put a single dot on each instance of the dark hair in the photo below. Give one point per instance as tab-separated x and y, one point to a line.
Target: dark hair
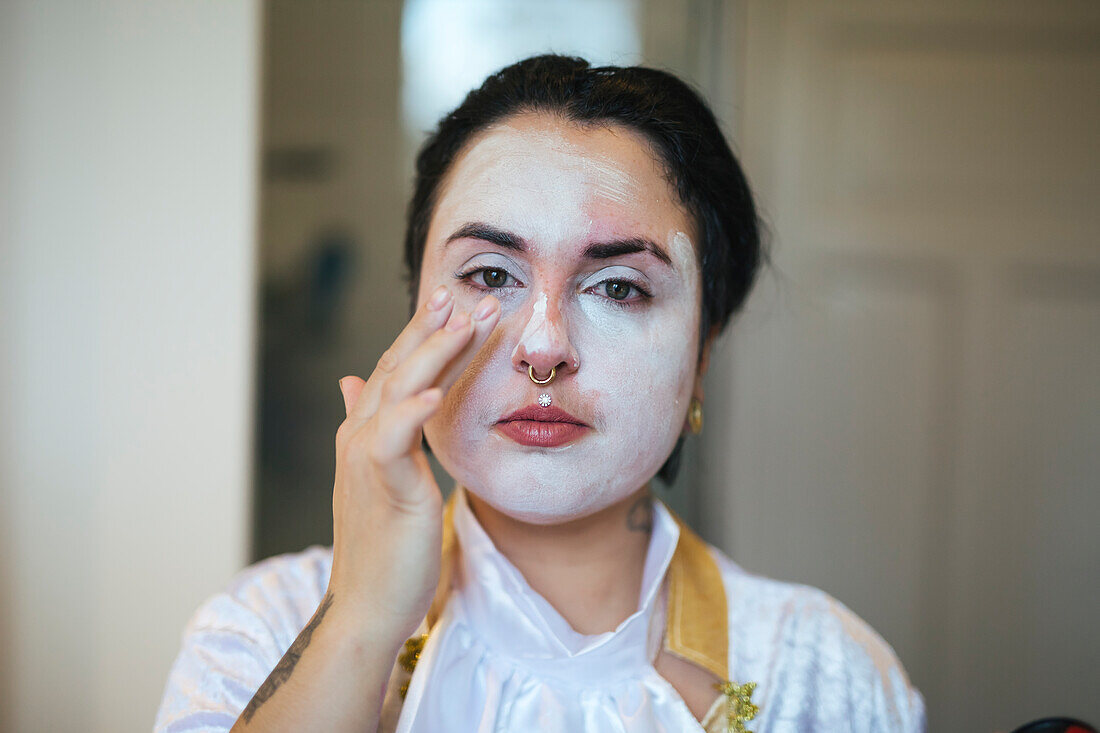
698	162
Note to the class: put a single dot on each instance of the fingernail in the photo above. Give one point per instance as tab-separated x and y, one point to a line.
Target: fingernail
439	298
485	309
458	322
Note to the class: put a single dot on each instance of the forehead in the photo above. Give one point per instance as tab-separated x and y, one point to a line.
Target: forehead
556	182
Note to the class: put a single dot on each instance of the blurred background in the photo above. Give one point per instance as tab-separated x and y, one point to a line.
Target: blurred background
201	214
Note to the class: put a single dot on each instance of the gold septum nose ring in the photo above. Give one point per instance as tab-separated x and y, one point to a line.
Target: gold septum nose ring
536	380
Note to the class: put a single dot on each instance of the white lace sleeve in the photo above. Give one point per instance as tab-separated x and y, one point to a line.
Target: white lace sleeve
236	638
819	666
226	655
879	696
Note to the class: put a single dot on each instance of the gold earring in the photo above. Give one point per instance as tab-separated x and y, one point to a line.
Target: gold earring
695	416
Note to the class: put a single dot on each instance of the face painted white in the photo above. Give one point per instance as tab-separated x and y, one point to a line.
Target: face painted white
630	371
611	182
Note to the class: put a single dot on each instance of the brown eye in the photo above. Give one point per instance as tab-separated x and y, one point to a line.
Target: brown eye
494	278
618	290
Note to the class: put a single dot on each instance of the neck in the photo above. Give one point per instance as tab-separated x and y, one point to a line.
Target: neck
589	569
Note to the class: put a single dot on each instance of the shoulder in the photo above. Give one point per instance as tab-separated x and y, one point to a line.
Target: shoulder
274	597
237	636
817	664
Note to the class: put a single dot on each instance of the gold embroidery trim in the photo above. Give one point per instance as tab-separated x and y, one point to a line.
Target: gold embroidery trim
697	624
408	659
739	705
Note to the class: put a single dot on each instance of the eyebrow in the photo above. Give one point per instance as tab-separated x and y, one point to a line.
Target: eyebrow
593	251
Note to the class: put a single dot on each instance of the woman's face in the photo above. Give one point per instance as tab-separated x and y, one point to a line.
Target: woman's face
580	237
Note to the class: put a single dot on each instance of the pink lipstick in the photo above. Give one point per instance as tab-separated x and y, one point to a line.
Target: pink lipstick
542	427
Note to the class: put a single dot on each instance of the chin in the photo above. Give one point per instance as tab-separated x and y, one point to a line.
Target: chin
522	509
549	487
535	503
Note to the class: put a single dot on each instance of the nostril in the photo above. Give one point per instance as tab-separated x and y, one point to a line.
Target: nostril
524	359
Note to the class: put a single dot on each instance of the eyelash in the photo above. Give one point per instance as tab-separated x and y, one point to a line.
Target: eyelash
643	293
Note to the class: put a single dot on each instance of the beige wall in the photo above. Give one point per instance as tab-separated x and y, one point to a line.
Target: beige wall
127	151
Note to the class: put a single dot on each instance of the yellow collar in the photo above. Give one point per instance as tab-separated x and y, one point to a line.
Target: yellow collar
697	619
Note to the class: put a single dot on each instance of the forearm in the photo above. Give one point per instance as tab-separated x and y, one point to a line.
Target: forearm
332	678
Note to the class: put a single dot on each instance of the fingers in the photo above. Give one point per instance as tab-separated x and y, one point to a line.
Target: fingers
440	352
350	387
429	317
482	330
398	426
393	447
437	338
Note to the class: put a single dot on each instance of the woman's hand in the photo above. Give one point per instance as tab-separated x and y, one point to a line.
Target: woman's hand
387	522
386	505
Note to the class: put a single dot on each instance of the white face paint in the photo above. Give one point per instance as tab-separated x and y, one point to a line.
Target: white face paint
625	367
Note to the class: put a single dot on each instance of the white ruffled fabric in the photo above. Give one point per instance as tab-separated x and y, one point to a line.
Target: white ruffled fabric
502	659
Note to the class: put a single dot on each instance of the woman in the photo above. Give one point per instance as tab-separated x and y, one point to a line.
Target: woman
577	238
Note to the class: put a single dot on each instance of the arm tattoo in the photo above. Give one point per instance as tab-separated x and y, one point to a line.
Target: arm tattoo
640	516
286	665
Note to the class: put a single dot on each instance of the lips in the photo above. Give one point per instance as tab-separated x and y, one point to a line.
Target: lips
542	427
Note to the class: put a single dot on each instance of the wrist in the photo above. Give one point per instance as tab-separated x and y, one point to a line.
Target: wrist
370	630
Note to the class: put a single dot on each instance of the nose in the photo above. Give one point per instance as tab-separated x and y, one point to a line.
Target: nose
544	343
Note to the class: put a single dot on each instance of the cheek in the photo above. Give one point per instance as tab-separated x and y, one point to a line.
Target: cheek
474	400
642	369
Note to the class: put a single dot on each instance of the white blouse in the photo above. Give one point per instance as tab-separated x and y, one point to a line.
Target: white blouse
501	658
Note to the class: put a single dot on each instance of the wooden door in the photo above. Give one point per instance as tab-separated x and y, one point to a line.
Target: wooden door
908	413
